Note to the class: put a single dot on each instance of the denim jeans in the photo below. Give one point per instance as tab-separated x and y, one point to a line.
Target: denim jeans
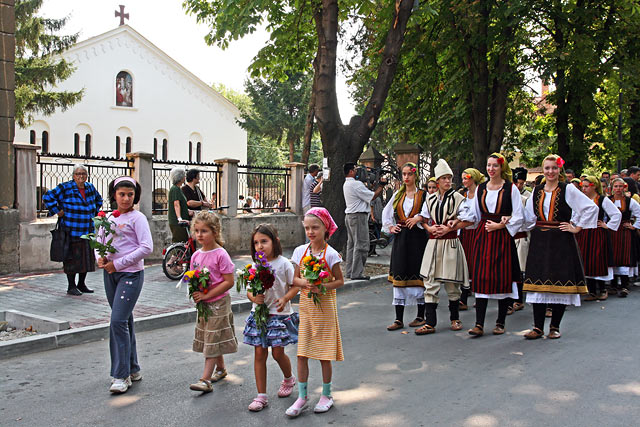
122	291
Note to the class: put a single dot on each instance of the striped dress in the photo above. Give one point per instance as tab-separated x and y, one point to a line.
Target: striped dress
319	331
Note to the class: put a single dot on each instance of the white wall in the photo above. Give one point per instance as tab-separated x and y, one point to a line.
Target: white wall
165	97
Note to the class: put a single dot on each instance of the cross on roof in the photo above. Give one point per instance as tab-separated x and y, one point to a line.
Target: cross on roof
122	15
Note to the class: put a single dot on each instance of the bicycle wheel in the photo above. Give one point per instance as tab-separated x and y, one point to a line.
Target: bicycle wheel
175	262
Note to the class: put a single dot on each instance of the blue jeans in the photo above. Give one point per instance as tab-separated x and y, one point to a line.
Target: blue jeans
123	290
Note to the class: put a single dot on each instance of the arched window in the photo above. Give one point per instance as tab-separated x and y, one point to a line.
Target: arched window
32	137
76	144
190	151
87	145
165	150
199	152
124	89
128	145
117	147
155	148
45	141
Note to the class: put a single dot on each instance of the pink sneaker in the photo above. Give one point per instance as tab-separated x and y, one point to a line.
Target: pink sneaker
286	387
298	406
258	404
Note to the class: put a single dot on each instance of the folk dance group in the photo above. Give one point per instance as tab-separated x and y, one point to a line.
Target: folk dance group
501	242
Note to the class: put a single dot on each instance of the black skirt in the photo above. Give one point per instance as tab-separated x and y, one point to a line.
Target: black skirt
554	264
406	257
81	257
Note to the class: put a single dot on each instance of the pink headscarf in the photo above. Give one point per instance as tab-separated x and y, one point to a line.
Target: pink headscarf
323	215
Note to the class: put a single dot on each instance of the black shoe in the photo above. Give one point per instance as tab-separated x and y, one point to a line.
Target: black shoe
361	278
74	291
83	288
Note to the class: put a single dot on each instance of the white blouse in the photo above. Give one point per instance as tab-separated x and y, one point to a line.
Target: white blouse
517	217
388	217
584	212
634	207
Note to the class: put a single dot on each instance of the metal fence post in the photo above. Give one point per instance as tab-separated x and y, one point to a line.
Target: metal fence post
229	185
143	173
26	181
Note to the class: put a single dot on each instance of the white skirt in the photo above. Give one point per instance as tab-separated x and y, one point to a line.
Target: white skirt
622	271
606	278
408	296
513	294
544	298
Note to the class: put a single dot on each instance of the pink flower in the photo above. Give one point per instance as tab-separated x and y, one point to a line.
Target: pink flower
197	274
116	213
252	271
101	214
560	162
323	274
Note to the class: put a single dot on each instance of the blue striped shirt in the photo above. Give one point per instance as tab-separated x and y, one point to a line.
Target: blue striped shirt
78	212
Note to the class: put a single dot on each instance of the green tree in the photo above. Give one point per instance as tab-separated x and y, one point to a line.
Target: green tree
38	65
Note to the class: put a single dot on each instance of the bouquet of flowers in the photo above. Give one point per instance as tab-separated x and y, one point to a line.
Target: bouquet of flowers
317	272
198	281
257	279
104	228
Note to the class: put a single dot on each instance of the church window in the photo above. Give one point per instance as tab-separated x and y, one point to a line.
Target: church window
45	141
117	147
32	137
87	145
128	145
190	151
199	152
124	89
155	148
76	144
165	149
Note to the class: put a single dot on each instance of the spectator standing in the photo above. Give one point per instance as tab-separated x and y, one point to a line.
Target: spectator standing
195	198
316	193
634	172
358	200
376	217
177	210
307	187
256	204
241	203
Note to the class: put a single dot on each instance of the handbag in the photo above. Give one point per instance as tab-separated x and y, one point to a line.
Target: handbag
60	243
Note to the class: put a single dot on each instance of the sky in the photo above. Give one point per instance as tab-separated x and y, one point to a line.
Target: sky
165	24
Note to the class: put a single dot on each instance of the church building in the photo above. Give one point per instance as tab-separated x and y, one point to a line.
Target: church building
137	98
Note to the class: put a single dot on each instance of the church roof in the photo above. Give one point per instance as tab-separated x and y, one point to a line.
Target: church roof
126	29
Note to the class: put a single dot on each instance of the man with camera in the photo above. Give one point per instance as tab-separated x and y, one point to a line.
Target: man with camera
358	200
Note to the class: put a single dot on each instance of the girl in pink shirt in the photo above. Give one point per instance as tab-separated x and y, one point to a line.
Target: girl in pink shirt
216	336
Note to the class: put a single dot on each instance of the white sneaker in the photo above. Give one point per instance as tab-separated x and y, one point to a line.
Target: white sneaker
120	385
136	376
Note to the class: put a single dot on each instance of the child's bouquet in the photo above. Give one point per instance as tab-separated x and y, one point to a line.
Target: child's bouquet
104	228
317	272
198	281
257	279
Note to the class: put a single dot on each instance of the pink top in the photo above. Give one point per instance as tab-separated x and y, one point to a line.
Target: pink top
132	241
218	262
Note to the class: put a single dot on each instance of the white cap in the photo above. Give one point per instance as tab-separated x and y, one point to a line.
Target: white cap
442	168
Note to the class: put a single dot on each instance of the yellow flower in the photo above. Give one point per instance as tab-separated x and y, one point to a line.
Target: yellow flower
316	267
248	265
189	274
307	259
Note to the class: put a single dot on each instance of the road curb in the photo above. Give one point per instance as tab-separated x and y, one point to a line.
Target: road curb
86	334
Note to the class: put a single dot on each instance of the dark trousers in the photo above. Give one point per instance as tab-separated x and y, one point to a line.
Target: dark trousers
539	310
481	310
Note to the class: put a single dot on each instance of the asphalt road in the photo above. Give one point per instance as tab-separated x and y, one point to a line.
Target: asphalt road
589	377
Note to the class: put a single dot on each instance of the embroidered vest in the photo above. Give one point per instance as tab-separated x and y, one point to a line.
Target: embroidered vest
559	209
624	208
445	210
418	200
504	206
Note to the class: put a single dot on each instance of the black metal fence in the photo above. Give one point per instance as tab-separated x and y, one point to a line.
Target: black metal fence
54	169
264	189
210	179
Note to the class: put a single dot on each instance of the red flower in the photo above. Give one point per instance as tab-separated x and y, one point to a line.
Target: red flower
500	161
101	214
266	278
560	162
116	214
413	170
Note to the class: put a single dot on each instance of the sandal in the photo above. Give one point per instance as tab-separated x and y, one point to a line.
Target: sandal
603	296
258	404
623	293
510	311
477	331
463	306
395	325
286	387
517	306
418	321
534	334
499	329
456	325
298	406
554	333
548	313
591	297
425	330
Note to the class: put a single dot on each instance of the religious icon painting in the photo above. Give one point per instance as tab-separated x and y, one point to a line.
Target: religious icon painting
124	89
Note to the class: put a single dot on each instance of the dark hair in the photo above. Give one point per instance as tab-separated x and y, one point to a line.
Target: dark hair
539	179
192	174
123	184
314	168
631	184
633	169
241	197
605	172
271	232
348	167
566	171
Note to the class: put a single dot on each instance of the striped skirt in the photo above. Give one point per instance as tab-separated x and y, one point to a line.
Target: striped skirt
595	249
319	331
623	247
496	264
468	240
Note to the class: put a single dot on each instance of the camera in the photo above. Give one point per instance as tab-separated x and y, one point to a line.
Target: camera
372	177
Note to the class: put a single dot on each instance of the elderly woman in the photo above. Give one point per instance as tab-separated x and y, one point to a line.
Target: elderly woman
76	202
177	208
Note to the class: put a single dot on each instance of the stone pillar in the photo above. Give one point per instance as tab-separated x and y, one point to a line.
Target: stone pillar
294	186
143	173
26	180
406	153
229	186
7	103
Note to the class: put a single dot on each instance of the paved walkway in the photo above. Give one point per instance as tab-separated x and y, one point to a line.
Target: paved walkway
45	294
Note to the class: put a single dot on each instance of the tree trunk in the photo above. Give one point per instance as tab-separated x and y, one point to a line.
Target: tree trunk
311	114
562	115
634	130
291	143
478	67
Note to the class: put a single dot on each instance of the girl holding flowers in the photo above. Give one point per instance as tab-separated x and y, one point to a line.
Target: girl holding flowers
215	334
319	333
281	327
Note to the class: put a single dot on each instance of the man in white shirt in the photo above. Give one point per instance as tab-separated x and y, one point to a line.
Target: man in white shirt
307	187
358	200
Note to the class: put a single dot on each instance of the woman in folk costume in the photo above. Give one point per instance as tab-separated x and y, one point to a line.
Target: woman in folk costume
498	210
595	243
443	263
401	218
471	178
554	275
624	250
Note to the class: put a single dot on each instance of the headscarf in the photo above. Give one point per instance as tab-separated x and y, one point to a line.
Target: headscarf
475	174
432	179
403	187
505	169
323	215
596	183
